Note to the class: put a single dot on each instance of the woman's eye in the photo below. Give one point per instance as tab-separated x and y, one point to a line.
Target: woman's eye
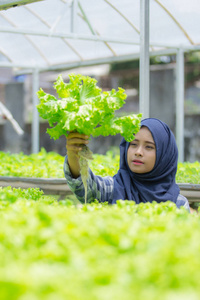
149	147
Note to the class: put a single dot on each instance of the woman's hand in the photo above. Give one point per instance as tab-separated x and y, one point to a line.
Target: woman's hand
75	141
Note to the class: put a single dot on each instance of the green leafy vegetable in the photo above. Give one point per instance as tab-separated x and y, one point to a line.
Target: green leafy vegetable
55	250
83	107
50	165
42	164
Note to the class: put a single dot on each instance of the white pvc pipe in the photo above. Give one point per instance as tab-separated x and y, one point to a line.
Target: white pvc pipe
180	103
74	9
5	4
35	121
74	36
65	66
144	59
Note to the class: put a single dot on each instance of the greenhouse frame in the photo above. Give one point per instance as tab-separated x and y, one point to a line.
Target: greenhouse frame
52	35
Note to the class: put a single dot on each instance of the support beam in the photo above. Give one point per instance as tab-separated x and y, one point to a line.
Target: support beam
74	8
180	103
35	120
66	66
5	4
144	59
73	36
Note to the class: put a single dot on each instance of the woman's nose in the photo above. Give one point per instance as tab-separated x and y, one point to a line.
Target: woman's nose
139	151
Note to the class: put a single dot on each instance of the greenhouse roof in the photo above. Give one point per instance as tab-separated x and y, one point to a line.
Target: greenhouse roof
55	34
44	35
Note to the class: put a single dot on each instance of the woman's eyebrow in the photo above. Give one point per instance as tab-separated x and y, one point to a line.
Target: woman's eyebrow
150	142
136	140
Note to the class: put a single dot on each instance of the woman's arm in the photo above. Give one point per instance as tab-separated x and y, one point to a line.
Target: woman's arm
99	188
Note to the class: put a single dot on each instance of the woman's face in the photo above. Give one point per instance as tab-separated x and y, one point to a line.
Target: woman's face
141	155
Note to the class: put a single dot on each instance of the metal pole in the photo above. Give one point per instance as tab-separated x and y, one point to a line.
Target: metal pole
144	59
5	4
35	121
74	9
180	103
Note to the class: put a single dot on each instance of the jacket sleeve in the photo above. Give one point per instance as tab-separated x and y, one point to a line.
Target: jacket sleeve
182	201
99	188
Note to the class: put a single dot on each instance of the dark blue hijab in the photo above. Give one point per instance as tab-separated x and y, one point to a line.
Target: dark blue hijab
157	185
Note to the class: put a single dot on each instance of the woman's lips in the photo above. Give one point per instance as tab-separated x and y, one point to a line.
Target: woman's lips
137	162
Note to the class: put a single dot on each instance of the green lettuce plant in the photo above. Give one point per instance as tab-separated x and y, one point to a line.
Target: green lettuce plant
83	107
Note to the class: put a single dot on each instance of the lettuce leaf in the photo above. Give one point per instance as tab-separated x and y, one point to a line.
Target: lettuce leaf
83	107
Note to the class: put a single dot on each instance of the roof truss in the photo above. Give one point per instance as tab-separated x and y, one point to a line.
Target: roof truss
5	4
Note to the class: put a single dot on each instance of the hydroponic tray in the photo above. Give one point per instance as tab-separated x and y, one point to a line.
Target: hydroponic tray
58	186
51	186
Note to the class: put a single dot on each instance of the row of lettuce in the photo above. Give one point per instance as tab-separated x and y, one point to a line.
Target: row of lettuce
55	250
50	165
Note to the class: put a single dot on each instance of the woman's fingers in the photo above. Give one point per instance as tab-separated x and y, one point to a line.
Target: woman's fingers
72	135
75	140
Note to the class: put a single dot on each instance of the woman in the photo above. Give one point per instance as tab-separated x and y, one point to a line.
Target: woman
147	170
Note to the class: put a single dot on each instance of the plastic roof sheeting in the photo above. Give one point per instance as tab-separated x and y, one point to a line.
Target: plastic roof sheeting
53	34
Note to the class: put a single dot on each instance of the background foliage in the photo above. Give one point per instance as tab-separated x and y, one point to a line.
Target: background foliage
50	165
